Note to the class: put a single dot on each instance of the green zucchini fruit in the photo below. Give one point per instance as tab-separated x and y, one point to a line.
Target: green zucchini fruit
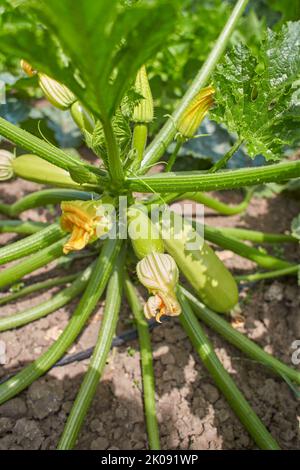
207	274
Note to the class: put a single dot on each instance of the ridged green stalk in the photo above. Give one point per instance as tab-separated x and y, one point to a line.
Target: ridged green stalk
146	364
182	181
54	303
14	273
20	227
166	134
31	244
173	156
84	309
225	159
240	341
229	243
235	398
44	197
38	286
115	166
98	360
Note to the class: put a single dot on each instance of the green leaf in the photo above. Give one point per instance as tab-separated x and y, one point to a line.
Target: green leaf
93	47
259	97
290	10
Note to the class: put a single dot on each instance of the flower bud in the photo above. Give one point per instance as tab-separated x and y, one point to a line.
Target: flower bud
85	220
6	165
57	93
194	114
27	68
143	111
158	272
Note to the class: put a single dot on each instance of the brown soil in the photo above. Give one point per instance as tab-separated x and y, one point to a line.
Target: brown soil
192	413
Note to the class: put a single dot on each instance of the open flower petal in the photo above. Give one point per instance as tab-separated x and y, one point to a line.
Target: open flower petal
83	219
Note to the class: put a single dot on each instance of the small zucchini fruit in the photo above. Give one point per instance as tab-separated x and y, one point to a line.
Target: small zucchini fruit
33	168
145	236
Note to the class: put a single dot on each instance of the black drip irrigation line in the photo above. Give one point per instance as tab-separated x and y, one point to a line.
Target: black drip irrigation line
128	335
119	340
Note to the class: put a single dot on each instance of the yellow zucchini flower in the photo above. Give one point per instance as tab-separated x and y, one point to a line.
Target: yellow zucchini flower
194	114
85	222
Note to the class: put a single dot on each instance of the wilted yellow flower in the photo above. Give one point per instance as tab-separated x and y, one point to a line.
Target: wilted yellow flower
194	114
6	167
158	272
143	111
85	221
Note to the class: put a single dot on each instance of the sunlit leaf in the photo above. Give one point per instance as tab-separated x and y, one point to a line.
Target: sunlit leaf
259	97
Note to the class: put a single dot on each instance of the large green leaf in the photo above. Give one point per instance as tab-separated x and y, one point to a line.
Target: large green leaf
290	9
94	47
259	97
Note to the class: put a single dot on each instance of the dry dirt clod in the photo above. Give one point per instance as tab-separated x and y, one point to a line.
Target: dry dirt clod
14	408
45	398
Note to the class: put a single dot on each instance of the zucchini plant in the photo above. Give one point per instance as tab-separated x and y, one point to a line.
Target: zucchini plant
90	57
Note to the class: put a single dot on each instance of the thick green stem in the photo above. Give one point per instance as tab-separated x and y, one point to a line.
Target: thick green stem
292	271
229	243
225	159
166	134
46	151
147	365
4	209
212	203
31	244
20	227
38	286
54	303
172	158
47	196
32	263
203	198
92	377
257	236
235	398
85	307
183	181
114	161
240	341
